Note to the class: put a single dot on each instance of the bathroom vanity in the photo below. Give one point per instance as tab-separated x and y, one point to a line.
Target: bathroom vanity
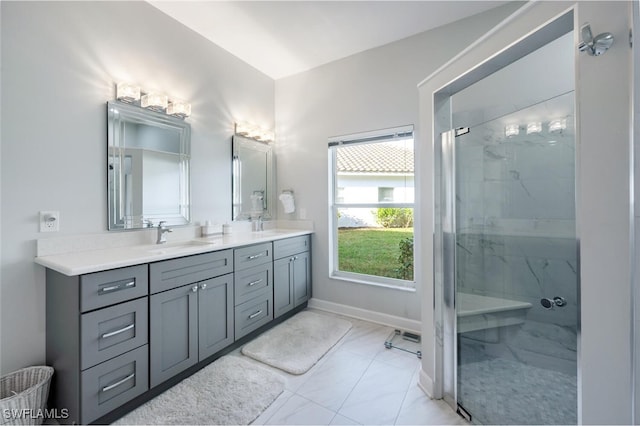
124	324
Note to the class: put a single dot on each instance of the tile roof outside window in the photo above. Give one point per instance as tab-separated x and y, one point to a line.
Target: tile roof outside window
386	157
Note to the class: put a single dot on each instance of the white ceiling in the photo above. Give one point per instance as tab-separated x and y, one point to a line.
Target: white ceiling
281	38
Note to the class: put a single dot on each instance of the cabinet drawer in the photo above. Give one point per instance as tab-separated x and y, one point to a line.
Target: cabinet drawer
106	288
252	315
248	257
174	273
291	246
252	282
108	385
109	332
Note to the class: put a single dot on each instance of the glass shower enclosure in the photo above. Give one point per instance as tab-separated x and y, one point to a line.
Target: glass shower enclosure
508	242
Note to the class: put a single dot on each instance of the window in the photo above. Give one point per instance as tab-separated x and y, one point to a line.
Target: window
385	194
372	206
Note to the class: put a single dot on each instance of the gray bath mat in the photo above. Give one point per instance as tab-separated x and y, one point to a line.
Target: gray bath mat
298	343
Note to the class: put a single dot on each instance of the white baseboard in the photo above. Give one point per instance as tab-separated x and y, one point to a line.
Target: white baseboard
400	323
426	384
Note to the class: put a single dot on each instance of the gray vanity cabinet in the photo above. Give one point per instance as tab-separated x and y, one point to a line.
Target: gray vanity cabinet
292	273
112	335
191	311
97	340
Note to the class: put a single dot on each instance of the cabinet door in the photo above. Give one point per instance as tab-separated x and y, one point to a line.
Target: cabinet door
215	312
174	332
301	278
282	286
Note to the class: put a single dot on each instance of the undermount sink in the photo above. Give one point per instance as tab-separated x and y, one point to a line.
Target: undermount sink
177	246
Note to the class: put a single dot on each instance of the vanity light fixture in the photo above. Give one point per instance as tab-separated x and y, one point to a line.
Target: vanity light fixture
242	128
557	125
179	108
534	127
154	101
267	136
252	131
127	92
511	130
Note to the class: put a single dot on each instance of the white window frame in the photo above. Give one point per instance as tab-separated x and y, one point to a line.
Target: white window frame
384	135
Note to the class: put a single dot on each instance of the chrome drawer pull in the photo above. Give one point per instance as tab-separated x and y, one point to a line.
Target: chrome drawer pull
252	283
116	384
109	289
252	316
122	330
255	256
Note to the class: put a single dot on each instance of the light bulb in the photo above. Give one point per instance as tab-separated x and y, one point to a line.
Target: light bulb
154	101
127	92
511	130
535	127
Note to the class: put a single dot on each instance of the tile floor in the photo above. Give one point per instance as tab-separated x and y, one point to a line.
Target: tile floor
358	381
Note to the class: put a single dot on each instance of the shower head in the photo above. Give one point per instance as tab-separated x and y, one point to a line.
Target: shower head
594	46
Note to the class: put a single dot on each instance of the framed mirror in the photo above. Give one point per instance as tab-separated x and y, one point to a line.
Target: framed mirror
253	179
148	168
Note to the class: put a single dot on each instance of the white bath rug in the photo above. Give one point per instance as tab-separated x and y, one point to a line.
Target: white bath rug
298	343
230	391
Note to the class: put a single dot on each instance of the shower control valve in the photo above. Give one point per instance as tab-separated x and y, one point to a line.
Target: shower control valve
550	303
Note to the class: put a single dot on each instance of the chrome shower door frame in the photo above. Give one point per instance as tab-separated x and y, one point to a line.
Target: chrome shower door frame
445	262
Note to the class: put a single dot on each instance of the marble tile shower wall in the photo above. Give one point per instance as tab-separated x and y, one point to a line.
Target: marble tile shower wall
516	236
516	218
521	268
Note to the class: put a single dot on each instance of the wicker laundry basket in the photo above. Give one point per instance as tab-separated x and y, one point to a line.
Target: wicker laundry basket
23	395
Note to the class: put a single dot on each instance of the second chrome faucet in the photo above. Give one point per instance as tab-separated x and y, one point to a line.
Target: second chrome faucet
162	233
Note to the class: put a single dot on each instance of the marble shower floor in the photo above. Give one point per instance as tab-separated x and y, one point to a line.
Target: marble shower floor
358	381
507	392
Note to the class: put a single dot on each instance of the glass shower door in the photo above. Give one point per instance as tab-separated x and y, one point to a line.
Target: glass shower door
516	266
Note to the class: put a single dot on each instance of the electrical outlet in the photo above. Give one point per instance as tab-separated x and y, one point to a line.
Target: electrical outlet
49	221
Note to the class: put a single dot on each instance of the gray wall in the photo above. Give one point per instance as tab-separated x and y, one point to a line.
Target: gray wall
60	62
372	90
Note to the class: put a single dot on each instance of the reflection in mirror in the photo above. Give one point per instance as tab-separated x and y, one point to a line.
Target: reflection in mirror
148	168
253	187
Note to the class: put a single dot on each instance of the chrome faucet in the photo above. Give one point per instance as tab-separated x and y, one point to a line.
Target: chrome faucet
162	232
256	223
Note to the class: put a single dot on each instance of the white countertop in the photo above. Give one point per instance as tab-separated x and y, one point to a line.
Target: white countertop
84	262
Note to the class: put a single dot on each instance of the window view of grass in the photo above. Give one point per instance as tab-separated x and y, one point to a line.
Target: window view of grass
376	251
